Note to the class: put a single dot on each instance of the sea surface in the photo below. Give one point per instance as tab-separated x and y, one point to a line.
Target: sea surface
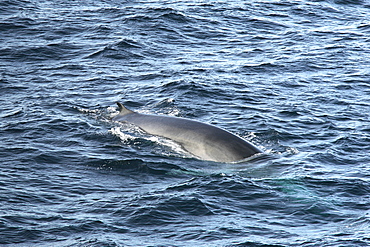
292	77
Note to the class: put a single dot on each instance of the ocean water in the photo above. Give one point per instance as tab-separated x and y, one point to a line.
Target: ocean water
292	77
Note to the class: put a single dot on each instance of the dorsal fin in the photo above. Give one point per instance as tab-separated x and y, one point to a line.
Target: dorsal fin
123	110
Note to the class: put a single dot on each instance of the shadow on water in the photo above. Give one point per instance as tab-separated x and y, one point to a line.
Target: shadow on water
134	167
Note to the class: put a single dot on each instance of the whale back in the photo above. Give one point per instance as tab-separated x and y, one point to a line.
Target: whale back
205	141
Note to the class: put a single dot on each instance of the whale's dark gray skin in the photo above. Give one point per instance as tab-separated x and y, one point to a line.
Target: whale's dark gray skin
205	141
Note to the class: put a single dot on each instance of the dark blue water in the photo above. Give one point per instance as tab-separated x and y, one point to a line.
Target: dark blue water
292	77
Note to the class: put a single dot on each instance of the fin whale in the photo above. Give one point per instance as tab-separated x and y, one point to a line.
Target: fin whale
204	141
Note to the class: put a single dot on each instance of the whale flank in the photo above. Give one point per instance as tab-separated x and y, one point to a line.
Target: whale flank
205	141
